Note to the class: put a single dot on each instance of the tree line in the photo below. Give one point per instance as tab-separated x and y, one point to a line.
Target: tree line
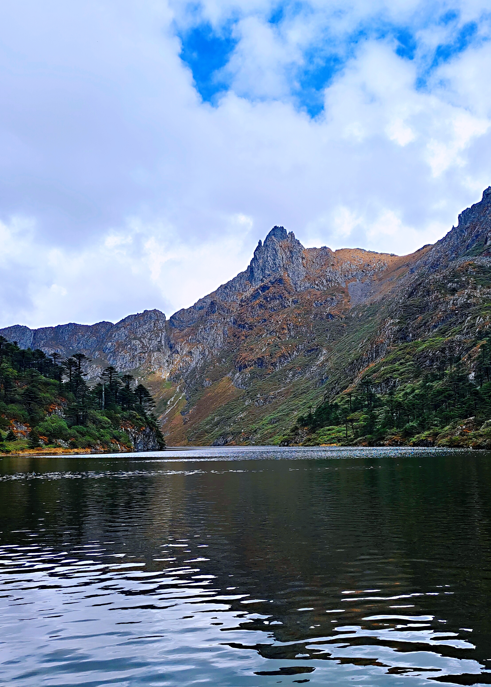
430	401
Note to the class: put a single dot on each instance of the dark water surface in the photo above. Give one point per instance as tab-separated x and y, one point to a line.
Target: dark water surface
247	567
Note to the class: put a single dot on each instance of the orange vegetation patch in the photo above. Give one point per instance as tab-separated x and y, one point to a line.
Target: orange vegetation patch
20	430
128	426
173	421
213	398
368	258
398	266
265	353
47	452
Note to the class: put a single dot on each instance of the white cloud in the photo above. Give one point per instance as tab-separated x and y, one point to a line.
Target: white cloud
257	67
139	195
147	267
460	127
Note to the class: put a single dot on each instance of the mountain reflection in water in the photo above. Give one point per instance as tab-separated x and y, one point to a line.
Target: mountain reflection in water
247	567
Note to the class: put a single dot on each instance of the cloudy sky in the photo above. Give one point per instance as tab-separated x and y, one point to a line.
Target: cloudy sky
147	145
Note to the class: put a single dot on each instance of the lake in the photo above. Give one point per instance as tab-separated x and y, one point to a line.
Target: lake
246	567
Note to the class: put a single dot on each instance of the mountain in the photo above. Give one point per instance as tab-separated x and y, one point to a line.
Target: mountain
297	327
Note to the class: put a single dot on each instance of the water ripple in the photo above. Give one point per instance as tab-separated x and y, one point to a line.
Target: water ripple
239	569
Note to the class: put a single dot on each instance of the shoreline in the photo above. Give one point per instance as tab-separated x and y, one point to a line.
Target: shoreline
56	453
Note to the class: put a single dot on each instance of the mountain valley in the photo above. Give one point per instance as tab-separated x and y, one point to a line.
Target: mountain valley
298	329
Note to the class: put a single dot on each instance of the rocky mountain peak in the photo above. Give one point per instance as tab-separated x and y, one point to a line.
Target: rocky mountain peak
470	238
278	233
281	253
476	210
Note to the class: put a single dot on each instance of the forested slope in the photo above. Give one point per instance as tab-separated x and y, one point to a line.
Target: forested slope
422	375
47	404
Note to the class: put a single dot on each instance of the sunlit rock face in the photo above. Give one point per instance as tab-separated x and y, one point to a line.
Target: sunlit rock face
295	326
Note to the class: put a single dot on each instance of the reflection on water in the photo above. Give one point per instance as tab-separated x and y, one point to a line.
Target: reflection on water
247	567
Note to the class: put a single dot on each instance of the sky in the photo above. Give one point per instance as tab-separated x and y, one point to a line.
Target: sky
147	145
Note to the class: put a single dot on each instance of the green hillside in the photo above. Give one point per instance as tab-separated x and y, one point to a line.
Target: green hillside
429	384
47	404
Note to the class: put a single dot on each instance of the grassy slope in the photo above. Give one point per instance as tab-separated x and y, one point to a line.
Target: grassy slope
260	405
438	333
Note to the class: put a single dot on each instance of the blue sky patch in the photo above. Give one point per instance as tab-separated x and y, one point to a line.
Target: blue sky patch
406	44
206	52
278	14
314	79
284	10
448	17
466	35
461	42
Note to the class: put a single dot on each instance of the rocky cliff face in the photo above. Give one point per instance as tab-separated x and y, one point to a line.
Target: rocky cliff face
296	325
138	341
142	438
470	238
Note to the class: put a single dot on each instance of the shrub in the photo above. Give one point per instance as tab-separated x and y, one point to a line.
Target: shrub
79	430
54	427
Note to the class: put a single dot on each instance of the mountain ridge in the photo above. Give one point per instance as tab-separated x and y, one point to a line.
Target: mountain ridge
298	323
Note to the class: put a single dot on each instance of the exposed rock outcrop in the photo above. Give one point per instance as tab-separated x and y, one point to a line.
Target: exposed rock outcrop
143	438
137	341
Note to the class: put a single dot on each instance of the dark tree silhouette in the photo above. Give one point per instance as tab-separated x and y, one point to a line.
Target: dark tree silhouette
144	397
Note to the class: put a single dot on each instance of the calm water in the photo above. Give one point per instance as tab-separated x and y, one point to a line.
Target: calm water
247	567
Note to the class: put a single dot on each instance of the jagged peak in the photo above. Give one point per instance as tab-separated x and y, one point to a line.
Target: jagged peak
279	233
471	237
471	212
